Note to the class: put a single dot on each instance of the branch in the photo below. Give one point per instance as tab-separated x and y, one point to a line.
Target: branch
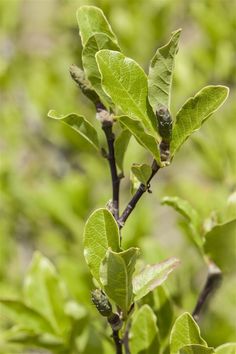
140	191
107	128
213	280
116	323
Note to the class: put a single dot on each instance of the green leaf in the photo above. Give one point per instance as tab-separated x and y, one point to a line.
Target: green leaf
184	208
195	111
196	349
228	348
185	331
95	43
152	276
126	83
79	124
26	316
121	144
220	245
45	293
161	73
164	310
142	172
91	20
116	276
144	335
101	232
142	137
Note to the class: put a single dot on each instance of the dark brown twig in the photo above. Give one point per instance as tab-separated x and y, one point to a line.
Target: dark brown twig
213	280
140	191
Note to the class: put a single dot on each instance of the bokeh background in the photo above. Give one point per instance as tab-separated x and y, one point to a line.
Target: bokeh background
51	180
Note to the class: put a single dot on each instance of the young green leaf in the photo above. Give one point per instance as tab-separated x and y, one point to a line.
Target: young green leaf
126	83
26	316
79	124
142	172
101	232
144	335
184	208
195	111
142	137
152	276
228	348
121	144
220	245
185	331
45	293
164	310
161	73
196	349
116	276
95	43
92	20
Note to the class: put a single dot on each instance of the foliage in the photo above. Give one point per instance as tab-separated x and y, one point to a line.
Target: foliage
53	177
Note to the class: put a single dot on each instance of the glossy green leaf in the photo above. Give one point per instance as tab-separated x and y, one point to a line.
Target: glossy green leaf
126	83
184	208
144	335
142	172
161	73
121	144
79	124
142	137
101	232
196	349
95	43
228	348
92	20
26	316
220	245
116	276
152	276
45	293
195	111
185	331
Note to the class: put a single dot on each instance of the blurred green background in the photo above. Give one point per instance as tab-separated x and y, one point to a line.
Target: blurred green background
51	180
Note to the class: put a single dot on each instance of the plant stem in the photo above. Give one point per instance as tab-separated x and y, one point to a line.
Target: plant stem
107	128
140	191
117	341
213	280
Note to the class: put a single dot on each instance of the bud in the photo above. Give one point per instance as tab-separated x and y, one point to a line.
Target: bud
164	123
102	303
79	77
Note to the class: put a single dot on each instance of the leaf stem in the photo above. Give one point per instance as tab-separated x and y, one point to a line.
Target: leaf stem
134	200
107	128
213	280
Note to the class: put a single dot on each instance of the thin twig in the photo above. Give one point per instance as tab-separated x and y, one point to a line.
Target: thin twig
213	280
116	323
117	341
126	339
140	191
107	128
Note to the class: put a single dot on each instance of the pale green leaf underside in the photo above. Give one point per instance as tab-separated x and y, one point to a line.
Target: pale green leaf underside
196	349
126	83
144	335
45	292
185	331
116	276
220	245
161	73
79	124
100	233
194	112
142	172
152	276
142	137
184	208
121	144
228	348
26	316
95	43
92	20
